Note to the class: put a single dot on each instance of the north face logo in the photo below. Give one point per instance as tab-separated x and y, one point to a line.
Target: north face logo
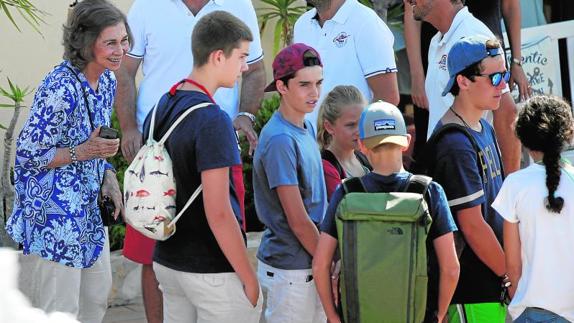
395	231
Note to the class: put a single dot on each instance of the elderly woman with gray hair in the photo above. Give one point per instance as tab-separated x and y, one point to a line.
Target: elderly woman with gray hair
61	175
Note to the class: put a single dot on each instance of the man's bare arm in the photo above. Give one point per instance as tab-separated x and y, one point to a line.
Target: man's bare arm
125	103
512	17
413	45
481	239
449	270
510	146
225	228
297	217
321	272
385	87
251	95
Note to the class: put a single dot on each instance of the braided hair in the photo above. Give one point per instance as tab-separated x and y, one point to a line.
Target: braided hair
545	124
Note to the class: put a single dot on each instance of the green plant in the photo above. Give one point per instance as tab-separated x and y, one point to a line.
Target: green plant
26	9
16	95
268	107
118	161
285	14
32	16
393	15
117	232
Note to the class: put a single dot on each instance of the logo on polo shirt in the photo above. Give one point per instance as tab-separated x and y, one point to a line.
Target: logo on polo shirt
341	39
385	124
442	63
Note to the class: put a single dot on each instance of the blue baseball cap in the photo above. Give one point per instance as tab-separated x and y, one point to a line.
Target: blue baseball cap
465	52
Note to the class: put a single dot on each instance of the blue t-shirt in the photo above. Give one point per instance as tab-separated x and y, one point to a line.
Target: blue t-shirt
456	169
204	140
286	155
442	224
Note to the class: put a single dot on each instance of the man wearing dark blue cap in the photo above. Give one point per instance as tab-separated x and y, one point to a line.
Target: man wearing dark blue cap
467	163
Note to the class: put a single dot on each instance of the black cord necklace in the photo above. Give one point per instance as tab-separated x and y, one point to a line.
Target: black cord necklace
460	117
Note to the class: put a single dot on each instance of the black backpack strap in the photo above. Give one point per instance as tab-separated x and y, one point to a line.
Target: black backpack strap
430	150
363	160
499	153
330	157
418	184
353	185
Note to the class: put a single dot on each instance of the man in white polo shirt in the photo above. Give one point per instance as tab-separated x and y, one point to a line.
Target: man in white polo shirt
356	48
453	21
162	45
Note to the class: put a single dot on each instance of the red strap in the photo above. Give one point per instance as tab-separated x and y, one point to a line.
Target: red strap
201	87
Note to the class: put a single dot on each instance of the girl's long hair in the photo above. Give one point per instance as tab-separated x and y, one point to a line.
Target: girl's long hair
545	124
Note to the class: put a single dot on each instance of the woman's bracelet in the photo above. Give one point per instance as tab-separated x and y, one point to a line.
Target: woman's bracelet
73	155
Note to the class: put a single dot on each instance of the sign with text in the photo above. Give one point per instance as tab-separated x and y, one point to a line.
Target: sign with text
541	65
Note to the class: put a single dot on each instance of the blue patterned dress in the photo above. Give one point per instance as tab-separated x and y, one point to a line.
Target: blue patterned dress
56	215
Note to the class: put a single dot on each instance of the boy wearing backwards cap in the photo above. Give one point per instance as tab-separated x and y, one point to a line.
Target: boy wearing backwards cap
289	189
472	177
384	146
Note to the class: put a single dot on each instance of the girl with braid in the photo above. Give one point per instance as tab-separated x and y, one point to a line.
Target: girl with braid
537	204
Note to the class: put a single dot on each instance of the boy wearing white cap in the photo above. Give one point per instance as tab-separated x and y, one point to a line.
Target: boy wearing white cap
383	138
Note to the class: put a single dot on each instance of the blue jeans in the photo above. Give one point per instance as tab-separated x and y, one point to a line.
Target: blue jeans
539	315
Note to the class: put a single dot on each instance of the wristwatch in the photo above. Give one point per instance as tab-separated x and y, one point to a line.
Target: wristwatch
516	61
247	114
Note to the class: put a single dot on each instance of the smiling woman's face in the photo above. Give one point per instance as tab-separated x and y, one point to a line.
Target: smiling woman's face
110	47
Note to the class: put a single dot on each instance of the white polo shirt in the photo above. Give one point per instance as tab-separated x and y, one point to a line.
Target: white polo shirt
354	45
464	24
162	38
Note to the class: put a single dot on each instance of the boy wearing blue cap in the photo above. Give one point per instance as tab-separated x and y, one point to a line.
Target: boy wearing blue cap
383	139
465	160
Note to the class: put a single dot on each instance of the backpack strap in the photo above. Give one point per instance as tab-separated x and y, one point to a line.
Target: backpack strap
418	184
430	152
353	185
501	165
330	157
187	204
363	160
178	120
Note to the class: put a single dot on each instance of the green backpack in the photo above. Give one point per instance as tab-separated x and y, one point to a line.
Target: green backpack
382	239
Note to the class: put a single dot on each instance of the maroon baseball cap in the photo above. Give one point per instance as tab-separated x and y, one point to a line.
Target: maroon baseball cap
291	59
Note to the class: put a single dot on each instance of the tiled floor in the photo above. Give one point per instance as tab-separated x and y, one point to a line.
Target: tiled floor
133	313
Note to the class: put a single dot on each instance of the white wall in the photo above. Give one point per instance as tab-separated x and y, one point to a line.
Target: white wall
26	57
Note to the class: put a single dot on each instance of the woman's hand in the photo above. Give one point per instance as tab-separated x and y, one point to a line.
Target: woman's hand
96	147
111	188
